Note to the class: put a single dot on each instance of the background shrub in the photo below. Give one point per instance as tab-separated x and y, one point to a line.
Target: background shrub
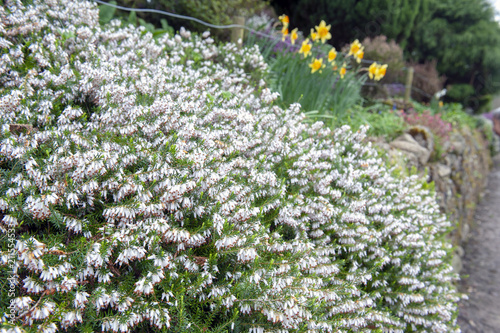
380	50
460	93
427	80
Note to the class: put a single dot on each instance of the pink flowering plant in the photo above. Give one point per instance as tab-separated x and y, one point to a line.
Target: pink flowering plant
152	185
438	126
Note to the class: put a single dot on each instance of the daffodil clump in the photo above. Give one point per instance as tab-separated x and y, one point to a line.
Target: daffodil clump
157	187
376	71
321	33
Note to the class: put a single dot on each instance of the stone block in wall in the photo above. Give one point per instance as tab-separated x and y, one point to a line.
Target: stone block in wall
460	174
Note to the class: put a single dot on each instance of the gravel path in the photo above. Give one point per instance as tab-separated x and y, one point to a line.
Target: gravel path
481	313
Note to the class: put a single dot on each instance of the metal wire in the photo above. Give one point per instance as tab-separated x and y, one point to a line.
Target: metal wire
189	18
228	26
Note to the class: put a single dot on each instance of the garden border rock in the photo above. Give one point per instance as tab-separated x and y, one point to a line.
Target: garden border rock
460	176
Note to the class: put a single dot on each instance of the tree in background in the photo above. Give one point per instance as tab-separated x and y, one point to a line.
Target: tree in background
465	39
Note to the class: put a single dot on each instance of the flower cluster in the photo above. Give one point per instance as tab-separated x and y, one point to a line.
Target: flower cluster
357	51
438	126
161	188
321	33
376	71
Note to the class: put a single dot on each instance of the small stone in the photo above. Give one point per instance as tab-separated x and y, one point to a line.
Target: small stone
443	170
408	144
456	263
457	143
465	231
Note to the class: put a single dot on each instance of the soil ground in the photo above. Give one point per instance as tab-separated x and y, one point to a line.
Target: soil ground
481	264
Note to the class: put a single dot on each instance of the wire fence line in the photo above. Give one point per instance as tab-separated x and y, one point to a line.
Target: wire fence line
249	29
189	18
184	17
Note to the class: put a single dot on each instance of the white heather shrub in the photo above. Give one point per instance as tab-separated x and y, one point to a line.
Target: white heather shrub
161	190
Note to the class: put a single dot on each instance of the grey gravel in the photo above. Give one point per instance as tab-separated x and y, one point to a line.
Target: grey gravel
481	264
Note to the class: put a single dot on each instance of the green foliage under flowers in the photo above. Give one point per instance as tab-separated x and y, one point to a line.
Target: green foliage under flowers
163	189
454	113
324	93
382	121
389	124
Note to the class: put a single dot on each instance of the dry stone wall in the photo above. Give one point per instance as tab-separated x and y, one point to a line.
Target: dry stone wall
459	175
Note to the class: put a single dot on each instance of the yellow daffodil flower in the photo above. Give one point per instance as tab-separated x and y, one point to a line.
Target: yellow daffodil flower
323	31
305	48
332	55
381	70
285	20
359	55
294	35
440	104
316	65
284	31
355	48
342	71
372	70
314	36
357	51
377	72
